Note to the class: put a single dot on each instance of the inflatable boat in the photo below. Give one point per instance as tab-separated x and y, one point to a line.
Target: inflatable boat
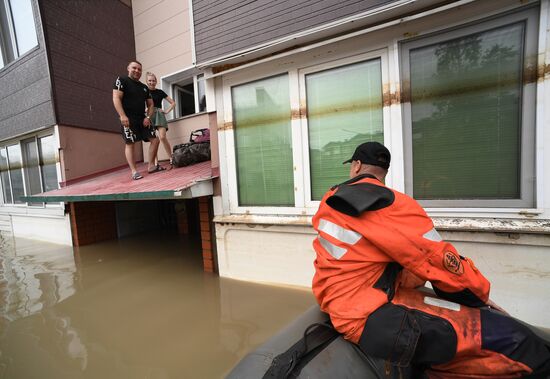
310	348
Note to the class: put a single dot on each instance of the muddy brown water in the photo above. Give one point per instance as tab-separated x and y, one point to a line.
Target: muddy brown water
131	308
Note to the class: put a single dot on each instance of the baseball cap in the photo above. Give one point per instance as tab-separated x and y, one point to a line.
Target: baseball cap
373	153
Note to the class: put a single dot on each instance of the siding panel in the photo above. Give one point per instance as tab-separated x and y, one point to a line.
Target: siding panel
225	27
25	100
90	43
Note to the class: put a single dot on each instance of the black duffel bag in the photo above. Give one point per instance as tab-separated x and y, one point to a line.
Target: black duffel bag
195	151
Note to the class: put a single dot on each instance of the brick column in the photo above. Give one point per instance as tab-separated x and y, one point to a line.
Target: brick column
93	222
182	218
205	216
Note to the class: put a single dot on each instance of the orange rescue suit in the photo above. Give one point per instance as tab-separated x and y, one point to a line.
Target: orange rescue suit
374	247
401	232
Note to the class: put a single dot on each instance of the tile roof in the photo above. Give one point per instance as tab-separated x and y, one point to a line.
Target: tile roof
182	182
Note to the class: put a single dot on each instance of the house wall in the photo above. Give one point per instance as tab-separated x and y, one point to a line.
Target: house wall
89	44
25	101
53	227
162	36
84	151
519	272
229	26
510	246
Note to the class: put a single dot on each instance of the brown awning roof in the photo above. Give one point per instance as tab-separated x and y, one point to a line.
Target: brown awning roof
184	182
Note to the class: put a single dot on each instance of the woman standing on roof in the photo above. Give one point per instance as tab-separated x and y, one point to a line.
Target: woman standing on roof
159	118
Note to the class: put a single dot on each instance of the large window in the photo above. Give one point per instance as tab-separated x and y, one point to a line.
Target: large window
344	109
292	132
17	29
28	168
470	127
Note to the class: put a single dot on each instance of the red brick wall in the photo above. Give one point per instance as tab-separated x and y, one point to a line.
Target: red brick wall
207	233
93	222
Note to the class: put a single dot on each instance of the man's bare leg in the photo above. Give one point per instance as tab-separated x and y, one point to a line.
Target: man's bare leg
129	153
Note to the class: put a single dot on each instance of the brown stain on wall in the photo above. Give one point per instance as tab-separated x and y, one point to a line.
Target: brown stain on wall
401	94
225	126
531	74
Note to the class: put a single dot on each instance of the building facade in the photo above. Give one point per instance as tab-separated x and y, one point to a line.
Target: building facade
456	90
58	60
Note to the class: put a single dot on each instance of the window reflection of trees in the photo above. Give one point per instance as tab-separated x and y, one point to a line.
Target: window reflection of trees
466	111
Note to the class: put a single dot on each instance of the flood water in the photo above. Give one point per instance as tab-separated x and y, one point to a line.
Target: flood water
131	308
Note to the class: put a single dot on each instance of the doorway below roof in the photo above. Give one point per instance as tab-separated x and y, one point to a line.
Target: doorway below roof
97	221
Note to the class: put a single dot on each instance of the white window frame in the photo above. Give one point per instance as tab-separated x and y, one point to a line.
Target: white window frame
528	109
303	205
25	173
231	160
177	86
381	54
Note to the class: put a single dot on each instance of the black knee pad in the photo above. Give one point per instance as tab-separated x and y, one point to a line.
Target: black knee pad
404	336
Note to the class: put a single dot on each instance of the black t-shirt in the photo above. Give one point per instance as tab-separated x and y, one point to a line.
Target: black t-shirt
158	95
134	100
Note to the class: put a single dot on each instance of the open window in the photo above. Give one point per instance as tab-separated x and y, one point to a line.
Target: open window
190	96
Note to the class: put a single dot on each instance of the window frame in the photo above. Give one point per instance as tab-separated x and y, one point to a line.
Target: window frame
303	204
26	173
9	46
384	72
177	86
528	125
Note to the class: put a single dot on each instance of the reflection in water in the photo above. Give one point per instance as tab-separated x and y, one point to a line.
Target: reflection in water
134	308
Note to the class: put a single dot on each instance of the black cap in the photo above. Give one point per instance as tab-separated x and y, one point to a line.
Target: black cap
373	153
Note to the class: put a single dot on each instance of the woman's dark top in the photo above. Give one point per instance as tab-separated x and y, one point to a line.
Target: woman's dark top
158	95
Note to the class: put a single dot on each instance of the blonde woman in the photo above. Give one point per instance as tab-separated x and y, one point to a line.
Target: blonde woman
159	119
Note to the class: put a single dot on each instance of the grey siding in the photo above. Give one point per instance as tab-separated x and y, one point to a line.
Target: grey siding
25	99
89	44
227	26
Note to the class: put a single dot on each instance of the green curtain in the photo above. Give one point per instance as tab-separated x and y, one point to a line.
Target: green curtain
344	109
263	145
466	116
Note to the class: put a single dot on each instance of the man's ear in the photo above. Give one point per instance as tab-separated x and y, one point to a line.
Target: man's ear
356	167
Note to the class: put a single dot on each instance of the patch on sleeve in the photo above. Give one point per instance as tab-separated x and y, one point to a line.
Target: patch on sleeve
452	263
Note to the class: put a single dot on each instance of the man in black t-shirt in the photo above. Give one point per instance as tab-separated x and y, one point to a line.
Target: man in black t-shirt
130	98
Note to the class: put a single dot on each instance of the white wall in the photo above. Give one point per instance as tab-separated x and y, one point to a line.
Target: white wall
519	271
47	228
266	253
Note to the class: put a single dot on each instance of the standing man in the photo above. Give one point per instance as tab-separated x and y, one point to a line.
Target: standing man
130	98
376	247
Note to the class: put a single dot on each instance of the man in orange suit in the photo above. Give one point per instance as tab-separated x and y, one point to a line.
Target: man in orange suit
376	247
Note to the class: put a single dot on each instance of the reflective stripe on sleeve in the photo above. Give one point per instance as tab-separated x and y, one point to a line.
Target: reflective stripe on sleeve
336	231
433	235
336	251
